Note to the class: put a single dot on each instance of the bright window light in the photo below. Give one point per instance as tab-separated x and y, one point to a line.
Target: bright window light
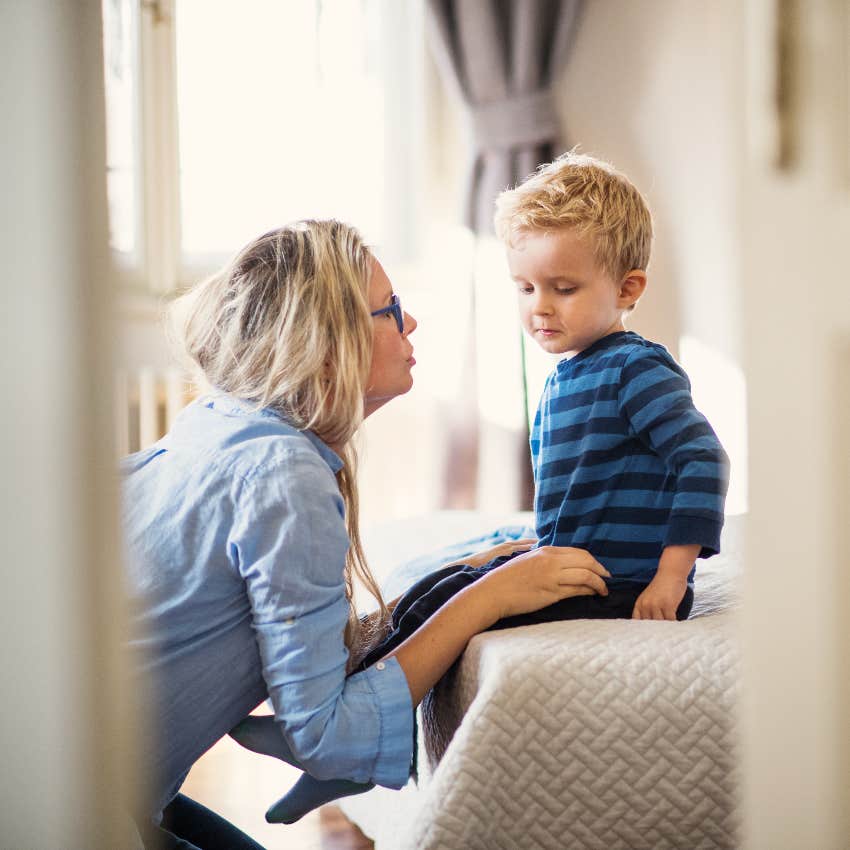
720	392
281	116
121	83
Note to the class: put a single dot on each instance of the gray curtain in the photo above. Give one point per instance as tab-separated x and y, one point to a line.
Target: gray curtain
501	57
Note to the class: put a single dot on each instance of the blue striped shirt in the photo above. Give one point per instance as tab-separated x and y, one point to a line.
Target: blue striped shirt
624	464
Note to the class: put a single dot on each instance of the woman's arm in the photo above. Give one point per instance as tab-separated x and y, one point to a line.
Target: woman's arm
526	583
288	542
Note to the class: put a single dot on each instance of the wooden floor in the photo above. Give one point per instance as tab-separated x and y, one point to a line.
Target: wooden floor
240	786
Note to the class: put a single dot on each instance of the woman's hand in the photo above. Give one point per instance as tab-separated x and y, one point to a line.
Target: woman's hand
479	559
541	577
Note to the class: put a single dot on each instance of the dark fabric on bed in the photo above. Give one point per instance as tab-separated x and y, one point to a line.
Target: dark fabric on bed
432	591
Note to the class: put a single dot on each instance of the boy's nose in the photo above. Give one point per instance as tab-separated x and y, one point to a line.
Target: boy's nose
541	305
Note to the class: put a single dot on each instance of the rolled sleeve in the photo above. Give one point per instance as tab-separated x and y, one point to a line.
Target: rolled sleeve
291	552
395	749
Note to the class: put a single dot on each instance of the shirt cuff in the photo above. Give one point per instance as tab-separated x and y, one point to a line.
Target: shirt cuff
395	737
684	530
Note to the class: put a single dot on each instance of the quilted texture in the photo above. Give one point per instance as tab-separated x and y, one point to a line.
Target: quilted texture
617	735
585	735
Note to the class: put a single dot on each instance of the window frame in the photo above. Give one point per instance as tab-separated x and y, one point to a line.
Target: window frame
160	269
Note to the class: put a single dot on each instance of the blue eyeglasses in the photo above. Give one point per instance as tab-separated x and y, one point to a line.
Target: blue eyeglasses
395	309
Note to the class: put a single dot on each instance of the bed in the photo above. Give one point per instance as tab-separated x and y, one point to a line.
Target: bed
615	735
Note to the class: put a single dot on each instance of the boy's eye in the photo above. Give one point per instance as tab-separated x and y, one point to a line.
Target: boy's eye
565	290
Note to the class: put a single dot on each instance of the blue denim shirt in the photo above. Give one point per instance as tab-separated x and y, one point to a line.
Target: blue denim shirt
235	545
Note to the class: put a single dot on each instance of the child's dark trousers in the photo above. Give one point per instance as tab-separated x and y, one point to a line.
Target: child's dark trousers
433	591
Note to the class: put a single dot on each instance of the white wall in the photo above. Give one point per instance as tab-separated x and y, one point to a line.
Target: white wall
796	705
63	766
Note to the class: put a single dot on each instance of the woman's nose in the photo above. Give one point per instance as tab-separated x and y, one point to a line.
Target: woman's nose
409	323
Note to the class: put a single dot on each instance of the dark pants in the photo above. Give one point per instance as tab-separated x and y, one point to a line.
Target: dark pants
187	825
433	591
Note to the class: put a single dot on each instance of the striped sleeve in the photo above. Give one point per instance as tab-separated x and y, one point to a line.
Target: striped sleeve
655	398
537	425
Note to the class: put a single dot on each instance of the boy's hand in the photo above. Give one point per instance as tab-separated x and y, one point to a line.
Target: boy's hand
661	598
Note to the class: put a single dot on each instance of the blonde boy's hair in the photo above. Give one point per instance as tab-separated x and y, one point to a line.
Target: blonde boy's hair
286	325
589	196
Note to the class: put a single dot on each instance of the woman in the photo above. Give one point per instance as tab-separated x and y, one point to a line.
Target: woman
242	537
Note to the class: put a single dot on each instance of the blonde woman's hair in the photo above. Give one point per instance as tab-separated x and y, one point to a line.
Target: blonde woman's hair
286	325
587	195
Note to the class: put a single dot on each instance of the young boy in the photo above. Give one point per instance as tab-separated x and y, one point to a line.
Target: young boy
625	466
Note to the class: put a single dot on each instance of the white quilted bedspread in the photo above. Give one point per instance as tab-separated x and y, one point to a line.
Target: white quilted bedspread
616	735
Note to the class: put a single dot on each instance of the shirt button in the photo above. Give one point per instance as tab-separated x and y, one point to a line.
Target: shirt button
289	621
380	665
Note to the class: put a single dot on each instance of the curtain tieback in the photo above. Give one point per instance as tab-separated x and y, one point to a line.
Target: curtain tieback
518	121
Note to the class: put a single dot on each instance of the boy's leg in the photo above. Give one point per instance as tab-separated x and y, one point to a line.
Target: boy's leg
684	609
422	600
617	605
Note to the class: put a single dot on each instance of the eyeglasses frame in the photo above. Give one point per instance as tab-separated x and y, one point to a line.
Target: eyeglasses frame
395	309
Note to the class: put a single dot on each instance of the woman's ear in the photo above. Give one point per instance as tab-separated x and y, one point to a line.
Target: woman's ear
631	288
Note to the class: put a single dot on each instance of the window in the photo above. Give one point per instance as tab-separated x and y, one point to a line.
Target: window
226	119
121	83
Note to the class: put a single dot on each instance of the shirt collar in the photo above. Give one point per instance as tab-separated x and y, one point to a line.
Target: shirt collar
232	406
607	341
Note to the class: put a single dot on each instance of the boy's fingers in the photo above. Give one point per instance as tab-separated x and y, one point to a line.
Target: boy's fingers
641	610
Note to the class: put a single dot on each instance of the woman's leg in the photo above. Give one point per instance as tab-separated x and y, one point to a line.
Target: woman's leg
189	821
262	735
155	837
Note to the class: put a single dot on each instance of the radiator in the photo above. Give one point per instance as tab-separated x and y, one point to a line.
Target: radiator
146	403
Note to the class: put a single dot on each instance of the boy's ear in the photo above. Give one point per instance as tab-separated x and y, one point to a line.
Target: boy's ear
631	288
